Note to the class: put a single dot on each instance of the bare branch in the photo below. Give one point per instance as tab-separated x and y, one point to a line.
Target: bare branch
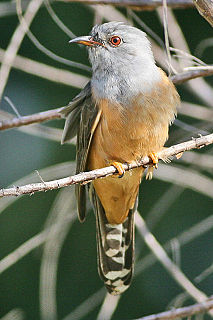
192	74
199	87
86	177
139	4
166	262
205	8
33	118
42	48
182	312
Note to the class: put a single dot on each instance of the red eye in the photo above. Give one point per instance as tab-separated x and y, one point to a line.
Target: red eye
115	41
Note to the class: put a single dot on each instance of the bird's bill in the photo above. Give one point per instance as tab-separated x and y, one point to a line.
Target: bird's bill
86	40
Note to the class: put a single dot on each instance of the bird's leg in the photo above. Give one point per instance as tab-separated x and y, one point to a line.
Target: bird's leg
154	157
119	167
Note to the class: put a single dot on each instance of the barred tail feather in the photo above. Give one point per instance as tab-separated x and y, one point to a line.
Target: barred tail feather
115	246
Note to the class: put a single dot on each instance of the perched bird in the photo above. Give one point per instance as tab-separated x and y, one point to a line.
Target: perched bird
121	115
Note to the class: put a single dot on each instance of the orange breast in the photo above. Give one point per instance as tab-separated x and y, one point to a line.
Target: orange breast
125	135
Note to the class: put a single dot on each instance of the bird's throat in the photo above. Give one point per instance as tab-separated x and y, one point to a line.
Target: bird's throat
120	86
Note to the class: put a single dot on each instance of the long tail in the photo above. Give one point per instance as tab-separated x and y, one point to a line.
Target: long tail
115	247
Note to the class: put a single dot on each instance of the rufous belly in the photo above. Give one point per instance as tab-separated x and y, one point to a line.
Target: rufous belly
126	134
125	140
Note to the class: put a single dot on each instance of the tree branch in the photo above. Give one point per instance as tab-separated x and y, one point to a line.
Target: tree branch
182	312
33	118
139	4
86	177
193	73
205	8
55	113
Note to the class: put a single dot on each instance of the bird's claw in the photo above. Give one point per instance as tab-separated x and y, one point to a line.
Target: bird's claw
119	167
149	174
153	156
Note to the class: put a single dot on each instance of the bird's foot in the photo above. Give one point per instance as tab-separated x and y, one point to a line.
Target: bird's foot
154	157
149	174
119	167
179	155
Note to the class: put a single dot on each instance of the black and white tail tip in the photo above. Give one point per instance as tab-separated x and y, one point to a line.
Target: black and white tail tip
116	254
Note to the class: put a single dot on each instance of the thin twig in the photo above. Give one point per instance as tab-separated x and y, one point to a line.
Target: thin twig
199	87
197	72
87	306
86	177
166	39
15	43
42	48
204	274
182	312
140	4
23	250
167	263
57	20
12	106
188	55
33	118
147	29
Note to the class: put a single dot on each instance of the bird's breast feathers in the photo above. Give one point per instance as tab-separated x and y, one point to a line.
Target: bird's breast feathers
128	132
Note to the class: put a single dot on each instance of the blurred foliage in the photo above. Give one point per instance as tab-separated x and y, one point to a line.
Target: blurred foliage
20	154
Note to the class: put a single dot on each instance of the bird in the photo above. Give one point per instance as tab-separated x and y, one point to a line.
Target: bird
121	115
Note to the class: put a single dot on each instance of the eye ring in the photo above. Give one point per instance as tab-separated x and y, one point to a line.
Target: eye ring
115	41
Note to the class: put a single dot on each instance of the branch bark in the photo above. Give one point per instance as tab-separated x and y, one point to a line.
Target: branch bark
197	72
55	113
139	4
205	8
33	118
86	177
182	312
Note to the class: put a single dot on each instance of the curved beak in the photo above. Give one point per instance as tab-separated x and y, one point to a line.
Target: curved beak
87	41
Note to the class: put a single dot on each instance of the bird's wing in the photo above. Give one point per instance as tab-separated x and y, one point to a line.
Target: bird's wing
82	119
90	116
72	113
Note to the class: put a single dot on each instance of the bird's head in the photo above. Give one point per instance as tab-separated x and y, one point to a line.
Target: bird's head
115	43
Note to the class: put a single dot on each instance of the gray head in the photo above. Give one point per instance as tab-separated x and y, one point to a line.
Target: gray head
121	56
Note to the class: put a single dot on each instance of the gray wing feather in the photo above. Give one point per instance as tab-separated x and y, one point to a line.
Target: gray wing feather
81	114
72	113
84	137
